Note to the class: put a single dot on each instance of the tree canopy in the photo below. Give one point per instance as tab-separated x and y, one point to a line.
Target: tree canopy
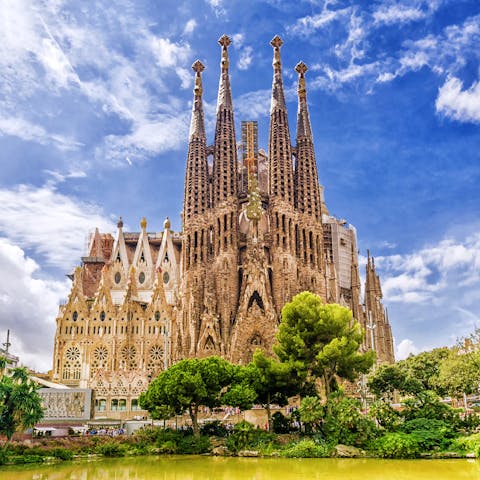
272	381
194	382
321	340
20	403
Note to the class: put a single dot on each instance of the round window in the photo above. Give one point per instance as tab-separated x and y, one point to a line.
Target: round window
118	277
141	277
166	277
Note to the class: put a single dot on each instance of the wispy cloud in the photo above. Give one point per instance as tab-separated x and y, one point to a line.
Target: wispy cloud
21	128
397	13
51	224
309	24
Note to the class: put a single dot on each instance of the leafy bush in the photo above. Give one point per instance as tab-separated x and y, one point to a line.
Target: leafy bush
194	445
307	449
62	453
429	433
386	416
427	404
395	445
281	424
21	459
168	447
344	422
111	449
470	444
245	435
214	429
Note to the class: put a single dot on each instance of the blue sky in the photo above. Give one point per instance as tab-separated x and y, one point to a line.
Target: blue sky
95	102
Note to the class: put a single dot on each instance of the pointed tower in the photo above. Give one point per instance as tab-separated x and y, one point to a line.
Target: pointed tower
196	198
196	221
224	232
280	149
307	188
284	273
378	328
309	236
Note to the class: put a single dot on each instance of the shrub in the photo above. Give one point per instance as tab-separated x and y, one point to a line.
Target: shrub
21	459
429	433
470	444
214	429
344	422
168	447
111	449
395	445
281	424
245	435
307	449
194	445
386	416
62	453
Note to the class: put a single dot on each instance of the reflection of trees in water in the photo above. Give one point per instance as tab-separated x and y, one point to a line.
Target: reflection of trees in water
222	468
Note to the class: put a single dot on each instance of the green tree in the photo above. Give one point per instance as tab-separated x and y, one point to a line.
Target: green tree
312	413
459	373
387	379
20	403
425	368
321	340
272	381
194	382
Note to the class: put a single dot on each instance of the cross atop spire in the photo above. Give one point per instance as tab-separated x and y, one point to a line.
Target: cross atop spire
198	67
276	42
301	68
224	41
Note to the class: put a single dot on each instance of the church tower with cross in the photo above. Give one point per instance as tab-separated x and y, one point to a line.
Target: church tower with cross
255	231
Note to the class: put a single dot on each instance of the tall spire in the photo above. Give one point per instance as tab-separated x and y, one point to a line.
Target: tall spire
307	189
196	199
280	149
225	148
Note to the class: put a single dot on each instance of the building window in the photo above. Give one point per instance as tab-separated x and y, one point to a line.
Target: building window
102	316
100	405
122	404
135	405
114	405
75	316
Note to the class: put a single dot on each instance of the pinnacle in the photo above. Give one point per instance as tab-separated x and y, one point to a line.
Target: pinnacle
301	68
198	66
224	41
276	41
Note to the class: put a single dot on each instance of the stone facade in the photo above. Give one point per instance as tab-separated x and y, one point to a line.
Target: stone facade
254	233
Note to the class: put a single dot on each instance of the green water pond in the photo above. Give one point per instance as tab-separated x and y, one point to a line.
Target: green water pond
201	468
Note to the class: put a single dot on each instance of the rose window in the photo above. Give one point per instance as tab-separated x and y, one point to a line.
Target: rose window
100	354
128	353
72	354
156	353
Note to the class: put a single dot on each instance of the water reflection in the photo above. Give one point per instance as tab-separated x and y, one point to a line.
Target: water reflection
219	468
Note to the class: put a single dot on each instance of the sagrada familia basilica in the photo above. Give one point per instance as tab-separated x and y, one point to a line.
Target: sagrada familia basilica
255	232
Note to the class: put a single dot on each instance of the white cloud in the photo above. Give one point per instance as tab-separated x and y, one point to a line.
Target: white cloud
51	224
246	58
28	306
253	105
237	40
165	132
397	13
427	276
190	26
406	348
454	102
21	128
